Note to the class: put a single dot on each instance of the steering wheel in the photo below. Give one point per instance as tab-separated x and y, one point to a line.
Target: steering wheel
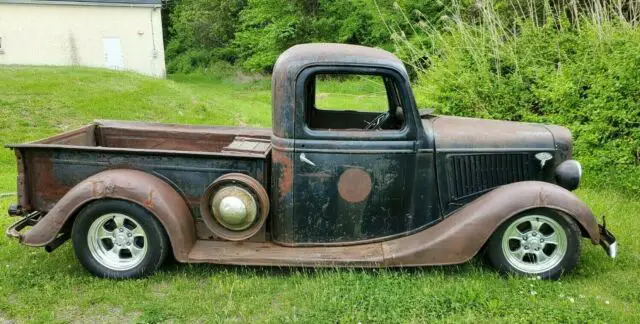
377	122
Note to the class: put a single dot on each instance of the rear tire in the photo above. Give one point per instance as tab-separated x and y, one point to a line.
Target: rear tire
538	242
119	239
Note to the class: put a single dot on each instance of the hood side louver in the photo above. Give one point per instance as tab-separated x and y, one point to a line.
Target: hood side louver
473	174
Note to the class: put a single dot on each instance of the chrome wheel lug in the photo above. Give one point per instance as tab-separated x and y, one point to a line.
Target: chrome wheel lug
121	229
129	234
541	240
534	233
526	247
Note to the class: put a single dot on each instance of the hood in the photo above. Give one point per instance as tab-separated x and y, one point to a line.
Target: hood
466	134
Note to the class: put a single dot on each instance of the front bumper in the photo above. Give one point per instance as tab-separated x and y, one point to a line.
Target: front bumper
608	241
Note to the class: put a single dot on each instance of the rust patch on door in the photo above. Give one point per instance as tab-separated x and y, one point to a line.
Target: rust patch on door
354	185
285	173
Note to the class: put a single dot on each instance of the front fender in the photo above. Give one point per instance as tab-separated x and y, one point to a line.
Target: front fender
148	191
462	234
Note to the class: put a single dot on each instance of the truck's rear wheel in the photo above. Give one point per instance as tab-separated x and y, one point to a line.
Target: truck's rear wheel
119	239
539	243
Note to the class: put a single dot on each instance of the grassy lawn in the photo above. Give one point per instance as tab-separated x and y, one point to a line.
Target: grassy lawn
40	287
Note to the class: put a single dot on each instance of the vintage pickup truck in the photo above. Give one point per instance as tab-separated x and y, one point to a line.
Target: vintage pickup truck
396	188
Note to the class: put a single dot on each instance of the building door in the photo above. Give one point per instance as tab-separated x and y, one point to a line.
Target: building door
113	53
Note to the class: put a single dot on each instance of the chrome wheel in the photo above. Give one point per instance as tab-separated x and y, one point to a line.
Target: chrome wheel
534	244
117	242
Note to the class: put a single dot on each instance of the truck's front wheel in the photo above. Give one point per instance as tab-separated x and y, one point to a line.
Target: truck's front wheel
119	239
539	242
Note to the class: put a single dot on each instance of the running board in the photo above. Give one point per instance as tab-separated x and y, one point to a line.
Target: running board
251	253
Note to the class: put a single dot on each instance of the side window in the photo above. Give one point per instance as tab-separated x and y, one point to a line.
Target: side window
356	102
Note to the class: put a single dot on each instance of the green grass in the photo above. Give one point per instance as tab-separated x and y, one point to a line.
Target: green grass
40	287
358	92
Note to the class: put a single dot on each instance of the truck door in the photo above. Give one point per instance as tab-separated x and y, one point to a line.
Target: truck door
355	156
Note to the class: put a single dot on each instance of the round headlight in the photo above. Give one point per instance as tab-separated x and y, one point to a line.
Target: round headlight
568	174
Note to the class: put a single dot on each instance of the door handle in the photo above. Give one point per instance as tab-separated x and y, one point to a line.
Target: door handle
304	159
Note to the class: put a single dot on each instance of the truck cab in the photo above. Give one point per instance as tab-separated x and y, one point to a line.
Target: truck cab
376	167
384	185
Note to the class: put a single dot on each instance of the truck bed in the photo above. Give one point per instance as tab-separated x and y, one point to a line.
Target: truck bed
159	137
188	157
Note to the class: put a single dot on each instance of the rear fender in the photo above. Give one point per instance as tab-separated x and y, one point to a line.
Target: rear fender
144	189
462	234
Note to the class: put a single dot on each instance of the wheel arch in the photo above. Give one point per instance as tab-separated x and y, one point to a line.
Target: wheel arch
561	211
141	188
460	236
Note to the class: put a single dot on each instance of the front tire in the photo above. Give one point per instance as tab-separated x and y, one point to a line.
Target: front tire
119	239
539	242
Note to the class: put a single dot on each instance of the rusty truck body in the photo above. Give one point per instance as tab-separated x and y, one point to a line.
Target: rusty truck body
322	188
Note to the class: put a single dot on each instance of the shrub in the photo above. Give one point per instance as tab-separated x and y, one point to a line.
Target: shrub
201	33
581	73
254	32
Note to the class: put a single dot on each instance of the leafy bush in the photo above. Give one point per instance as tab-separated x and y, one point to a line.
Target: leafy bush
254	32
582	74
201	33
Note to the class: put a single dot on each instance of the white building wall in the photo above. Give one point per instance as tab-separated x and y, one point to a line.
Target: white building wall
68	34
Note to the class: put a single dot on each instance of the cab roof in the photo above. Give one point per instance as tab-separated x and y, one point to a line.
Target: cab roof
298	56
